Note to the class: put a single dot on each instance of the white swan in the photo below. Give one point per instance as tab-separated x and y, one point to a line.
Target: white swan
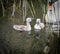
26	27
39	25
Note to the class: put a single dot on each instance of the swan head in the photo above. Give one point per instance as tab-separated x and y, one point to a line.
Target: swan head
38	21
29	19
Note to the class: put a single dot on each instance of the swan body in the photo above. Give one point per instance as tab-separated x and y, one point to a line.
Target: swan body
39	25
26	27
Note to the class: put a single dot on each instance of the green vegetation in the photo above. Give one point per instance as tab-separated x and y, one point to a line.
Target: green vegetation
21	7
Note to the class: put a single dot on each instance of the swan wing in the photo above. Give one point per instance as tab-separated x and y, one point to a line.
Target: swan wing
42	25
37	27
19	27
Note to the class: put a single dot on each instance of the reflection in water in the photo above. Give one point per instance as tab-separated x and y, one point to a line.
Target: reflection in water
29	32
37	33
28	35
46	49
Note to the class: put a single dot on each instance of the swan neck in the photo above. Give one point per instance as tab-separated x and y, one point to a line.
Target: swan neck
28	26
27	23
39	22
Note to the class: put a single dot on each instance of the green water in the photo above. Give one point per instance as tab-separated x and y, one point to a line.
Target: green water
15	42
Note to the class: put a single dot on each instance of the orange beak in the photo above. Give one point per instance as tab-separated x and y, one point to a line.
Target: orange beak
50	7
